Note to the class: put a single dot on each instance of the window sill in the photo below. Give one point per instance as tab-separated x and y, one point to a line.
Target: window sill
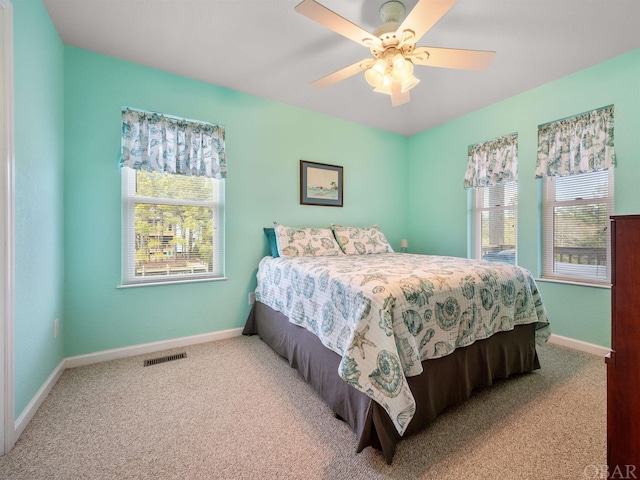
171	282
573	282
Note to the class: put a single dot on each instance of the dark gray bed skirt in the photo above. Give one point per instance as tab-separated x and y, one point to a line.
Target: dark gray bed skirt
444	382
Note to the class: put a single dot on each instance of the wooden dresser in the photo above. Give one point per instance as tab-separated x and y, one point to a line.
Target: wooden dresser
623	362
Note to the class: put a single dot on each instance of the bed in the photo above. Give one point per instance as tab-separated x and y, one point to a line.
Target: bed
390	340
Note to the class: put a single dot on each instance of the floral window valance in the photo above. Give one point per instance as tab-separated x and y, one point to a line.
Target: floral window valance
579	144
159	143
492	162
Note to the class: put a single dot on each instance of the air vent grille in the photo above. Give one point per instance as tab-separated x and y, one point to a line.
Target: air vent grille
168	358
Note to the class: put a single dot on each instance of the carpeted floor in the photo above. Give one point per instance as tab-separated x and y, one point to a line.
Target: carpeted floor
233	409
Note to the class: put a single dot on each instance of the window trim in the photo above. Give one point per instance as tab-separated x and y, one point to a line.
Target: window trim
547	208
129	201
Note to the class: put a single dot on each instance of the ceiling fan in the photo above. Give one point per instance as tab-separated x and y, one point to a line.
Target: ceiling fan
393	46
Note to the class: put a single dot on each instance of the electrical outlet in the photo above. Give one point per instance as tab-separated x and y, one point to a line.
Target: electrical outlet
55	328
252	298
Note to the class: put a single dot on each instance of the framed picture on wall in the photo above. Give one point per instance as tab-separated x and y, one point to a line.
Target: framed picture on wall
320	184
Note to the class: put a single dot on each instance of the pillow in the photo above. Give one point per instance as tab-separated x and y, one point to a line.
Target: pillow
361	241
306	242
273	245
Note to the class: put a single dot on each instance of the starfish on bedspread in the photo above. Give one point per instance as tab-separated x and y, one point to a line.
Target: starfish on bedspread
442	281
360	341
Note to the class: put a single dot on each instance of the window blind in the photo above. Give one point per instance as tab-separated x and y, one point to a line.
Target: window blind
576	237
496	222
172	227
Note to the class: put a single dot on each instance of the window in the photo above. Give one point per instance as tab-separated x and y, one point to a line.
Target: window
576	210
496	222
172	227
173	172
493	171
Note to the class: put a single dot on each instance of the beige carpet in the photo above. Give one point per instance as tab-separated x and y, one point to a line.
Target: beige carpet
235	410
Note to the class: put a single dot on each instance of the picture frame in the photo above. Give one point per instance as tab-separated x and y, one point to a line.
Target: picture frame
321	184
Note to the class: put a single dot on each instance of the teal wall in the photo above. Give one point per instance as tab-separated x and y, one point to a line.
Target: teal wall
68	192
265	141
39	161
438	159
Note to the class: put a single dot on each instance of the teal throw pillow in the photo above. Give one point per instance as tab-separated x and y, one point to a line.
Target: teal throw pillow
273	244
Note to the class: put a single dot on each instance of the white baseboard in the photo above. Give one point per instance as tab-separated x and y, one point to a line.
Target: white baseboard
117	353
124	352
105	355
40	396
578	345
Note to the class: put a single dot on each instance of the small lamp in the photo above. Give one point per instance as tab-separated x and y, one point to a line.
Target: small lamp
404	245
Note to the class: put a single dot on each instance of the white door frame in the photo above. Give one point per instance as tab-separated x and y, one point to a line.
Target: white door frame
7	163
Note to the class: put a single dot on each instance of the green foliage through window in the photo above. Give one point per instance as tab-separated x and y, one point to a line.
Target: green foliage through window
171	226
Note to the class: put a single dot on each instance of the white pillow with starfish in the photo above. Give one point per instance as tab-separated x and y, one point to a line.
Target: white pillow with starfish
306	242
361	241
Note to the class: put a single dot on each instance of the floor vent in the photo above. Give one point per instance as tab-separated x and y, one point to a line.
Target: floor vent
168	358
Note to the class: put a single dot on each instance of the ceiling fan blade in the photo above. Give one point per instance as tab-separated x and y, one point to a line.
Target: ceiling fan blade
424	16
398	97
344	73
328	18
477	60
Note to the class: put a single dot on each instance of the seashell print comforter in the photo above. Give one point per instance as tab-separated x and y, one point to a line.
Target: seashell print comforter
386	313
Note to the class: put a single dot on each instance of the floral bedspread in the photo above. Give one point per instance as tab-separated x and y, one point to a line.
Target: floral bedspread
386	313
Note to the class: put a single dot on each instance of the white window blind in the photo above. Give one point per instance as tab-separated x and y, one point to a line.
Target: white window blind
576	236
172	227
496	222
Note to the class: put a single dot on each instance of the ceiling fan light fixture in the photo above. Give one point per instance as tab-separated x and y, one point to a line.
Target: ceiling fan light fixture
372	77
386	89
385	86
402	68
375	76
409	83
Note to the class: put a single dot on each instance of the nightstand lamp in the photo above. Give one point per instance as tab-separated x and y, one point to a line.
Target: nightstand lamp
404	245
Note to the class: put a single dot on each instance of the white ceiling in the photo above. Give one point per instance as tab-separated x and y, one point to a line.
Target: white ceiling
265	48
